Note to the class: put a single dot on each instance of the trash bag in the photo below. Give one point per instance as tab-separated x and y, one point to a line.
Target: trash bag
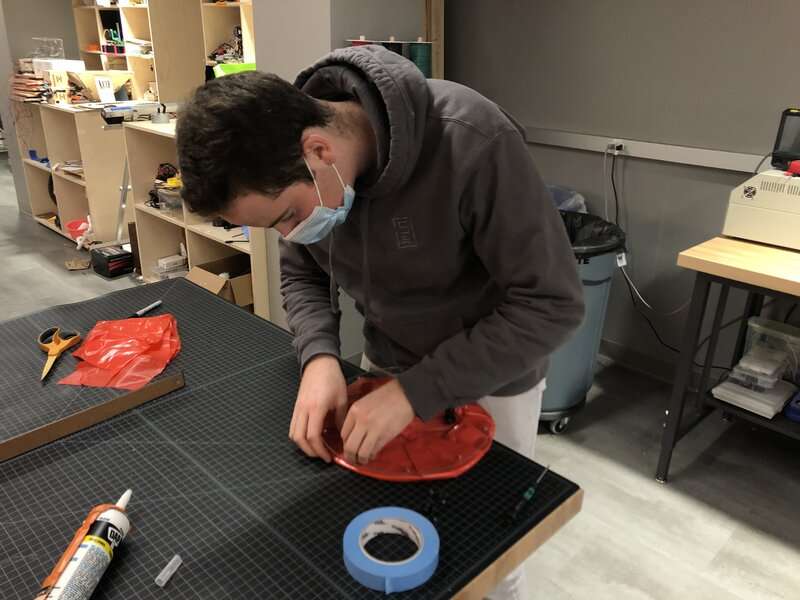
591	235
567	199
127	353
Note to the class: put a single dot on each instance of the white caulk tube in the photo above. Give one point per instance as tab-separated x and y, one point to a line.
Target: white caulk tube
91	558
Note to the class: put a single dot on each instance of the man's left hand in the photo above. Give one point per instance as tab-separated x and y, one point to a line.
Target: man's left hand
375	420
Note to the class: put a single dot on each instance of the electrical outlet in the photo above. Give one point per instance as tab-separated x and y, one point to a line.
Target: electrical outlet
616	147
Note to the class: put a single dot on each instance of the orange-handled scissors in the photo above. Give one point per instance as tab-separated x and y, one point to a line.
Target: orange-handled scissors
54	341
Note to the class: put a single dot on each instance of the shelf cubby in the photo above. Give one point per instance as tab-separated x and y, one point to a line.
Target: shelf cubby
37	177
157	238
71	200
202	250
61	133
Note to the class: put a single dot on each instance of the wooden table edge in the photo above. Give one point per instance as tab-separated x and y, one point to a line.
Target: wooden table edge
688	259
487	580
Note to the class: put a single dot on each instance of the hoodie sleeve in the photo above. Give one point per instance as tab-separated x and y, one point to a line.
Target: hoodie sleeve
519	237
305	288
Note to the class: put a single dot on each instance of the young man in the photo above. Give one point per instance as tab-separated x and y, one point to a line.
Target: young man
419	199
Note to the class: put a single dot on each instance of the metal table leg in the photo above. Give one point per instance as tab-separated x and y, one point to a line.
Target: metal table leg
691	336
712	342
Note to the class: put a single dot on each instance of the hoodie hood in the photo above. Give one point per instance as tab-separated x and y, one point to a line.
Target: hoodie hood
395	96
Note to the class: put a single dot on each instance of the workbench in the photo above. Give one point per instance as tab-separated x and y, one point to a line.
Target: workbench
216	479
762	271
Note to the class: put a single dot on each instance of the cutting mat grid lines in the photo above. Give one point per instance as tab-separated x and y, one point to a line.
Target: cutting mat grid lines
216	479
26	403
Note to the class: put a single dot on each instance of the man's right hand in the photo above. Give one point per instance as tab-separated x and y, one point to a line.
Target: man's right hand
322	390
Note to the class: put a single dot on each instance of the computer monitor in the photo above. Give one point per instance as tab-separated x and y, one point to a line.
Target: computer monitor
787	144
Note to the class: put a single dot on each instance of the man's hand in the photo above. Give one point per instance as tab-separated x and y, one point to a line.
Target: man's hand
322	390
375	420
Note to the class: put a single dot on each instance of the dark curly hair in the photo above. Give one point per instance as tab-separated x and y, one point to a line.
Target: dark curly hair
241	133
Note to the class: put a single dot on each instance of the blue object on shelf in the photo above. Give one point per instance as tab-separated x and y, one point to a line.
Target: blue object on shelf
792	409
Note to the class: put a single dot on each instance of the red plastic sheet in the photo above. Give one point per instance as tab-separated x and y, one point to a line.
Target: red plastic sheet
424	450
126	354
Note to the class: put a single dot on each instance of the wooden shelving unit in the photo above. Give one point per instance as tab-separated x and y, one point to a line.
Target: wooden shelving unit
61	133
37	178
36	164
161	233
219	20
179	31
221	236
173	69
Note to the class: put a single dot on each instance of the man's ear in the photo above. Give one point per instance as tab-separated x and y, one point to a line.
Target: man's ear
317	146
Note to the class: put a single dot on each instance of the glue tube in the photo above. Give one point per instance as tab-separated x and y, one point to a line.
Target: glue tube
88	555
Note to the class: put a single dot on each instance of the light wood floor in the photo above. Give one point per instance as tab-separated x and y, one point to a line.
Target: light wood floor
726	526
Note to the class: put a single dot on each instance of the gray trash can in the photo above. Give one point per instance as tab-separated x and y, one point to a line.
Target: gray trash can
596	244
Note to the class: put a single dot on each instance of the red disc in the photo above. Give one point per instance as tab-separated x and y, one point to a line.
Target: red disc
440	448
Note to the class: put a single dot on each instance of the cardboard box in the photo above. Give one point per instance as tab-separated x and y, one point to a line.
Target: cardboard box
238	289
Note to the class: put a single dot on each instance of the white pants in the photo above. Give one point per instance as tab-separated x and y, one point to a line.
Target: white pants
516	423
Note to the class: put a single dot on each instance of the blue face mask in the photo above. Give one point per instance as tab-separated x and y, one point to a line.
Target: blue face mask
322	219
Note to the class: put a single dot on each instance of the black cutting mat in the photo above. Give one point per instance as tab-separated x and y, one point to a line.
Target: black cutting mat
27	403
216	480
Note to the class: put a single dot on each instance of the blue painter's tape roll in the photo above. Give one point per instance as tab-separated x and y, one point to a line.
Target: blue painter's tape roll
391	576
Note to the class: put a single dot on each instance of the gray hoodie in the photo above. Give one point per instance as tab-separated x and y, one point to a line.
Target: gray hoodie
452	251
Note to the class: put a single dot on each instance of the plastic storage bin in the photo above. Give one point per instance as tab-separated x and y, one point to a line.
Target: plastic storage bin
754	380
779	337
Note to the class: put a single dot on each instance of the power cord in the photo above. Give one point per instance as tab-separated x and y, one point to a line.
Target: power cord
761	162
671	313
634	292
616	150
670	346
614	186
605	185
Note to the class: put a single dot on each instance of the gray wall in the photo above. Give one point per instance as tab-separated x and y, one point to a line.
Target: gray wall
20	21
26	19
376	19
714	74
